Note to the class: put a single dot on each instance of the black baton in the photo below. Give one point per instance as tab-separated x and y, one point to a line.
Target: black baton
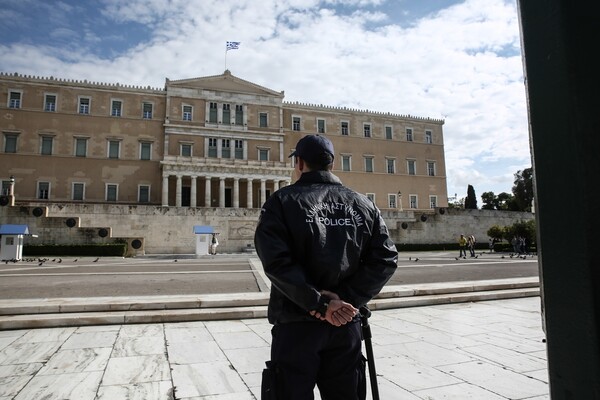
365	313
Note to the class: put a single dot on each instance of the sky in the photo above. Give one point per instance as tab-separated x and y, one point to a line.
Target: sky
455	60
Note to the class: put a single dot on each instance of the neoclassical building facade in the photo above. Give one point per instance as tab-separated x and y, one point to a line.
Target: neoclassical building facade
217	141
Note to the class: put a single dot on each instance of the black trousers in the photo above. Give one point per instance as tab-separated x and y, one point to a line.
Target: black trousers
307	353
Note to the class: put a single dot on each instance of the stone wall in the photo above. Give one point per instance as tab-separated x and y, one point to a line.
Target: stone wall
169	230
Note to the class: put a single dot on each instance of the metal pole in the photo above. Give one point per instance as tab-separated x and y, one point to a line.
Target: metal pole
365	313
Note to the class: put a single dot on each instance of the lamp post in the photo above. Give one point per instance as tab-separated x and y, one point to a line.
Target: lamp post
11	191
400	200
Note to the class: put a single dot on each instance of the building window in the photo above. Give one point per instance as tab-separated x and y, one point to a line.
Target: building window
225	148
409	134
390	165
145	150
14	99
50	102
212	113
239	149
111	192
413	201
185	150
80	147
46	145
371	196
143	194
428	137
295	123
114	149
5	188
10	142
392	200
147	110
388	132
43	190
116	108
78	191
430	168
368	164
411	167
226	114
432	201
187	113
84	105
367	130
320	125
263	154
212	147
263	120
346	163
239	114
344	127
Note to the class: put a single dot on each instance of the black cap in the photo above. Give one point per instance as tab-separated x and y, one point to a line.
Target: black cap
311	147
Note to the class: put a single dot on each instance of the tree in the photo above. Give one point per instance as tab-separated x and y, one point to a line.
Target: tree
495	232
489	200
505	201
471	200
523	189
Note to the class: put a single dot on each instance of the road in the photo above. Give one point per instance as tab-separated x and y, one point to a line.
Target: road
177	275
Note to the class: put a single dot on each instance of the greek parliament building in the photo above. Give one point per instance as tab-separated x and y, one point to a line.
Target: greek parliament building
217	142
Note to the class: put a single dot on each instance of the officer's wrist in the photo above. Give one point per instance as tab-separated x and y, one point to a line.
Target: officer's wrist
322	305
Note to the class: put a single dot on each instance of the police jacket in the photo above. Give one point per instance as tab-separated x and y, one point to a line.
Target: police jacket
317	234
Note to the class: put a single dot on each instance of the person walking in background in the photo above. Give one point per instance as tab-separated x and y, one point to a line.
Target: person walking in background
213	244
471	245
327	251
462	246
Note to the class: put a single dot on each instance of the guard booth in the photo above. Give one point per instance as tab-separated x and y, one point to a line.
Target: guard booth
11	242
203	236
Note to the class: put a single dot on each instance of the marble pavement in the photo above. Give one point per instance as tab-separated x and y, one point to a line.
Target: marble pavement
481	350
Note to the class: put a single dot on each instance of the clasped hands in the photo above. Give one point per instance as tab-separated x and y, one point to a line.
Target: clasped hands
338	312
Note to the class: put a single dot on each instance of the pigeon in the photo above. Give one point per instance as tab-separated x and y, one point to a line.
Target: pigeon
59	260
416	259
175	260
96	260
456	258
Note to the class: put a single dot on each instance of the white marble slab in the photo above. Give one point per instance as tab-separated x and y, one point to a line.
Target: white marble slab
228	396
249	360
215	378
239	340
397	325
45	335
137	330
460	391
20	369
443	339
80	386
11	385
389	391
25	353
77	360
139	346
226	326
99	328
161	390
410	375
511	342
176	333
82	340
511	359
5	341
497	379
425	353
194	352
130	370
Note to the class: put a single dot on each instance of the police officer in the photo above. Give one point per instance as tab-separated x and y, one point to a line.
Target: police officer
327	252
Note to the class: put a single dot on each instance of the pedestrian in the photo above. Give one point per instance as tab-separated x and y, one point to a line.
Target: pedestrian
327	252
491	244
213	244
462	246
471	245
515	244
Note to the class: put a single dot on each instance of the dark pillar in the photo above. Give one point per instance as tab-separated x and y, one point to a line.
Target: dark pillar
560	46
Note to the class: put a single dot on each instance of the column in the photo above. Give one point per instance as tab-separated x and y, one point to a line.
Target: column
178	192
263	191
249	194
275	185
207	192
236	192
193	192
165	191
222	192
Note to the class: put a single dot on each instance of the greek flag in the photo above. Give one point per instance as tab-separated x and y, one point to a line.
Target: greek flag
233	45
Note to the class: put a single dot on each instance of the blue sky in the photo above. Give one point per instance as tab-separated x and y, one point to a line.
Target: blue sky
454	60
